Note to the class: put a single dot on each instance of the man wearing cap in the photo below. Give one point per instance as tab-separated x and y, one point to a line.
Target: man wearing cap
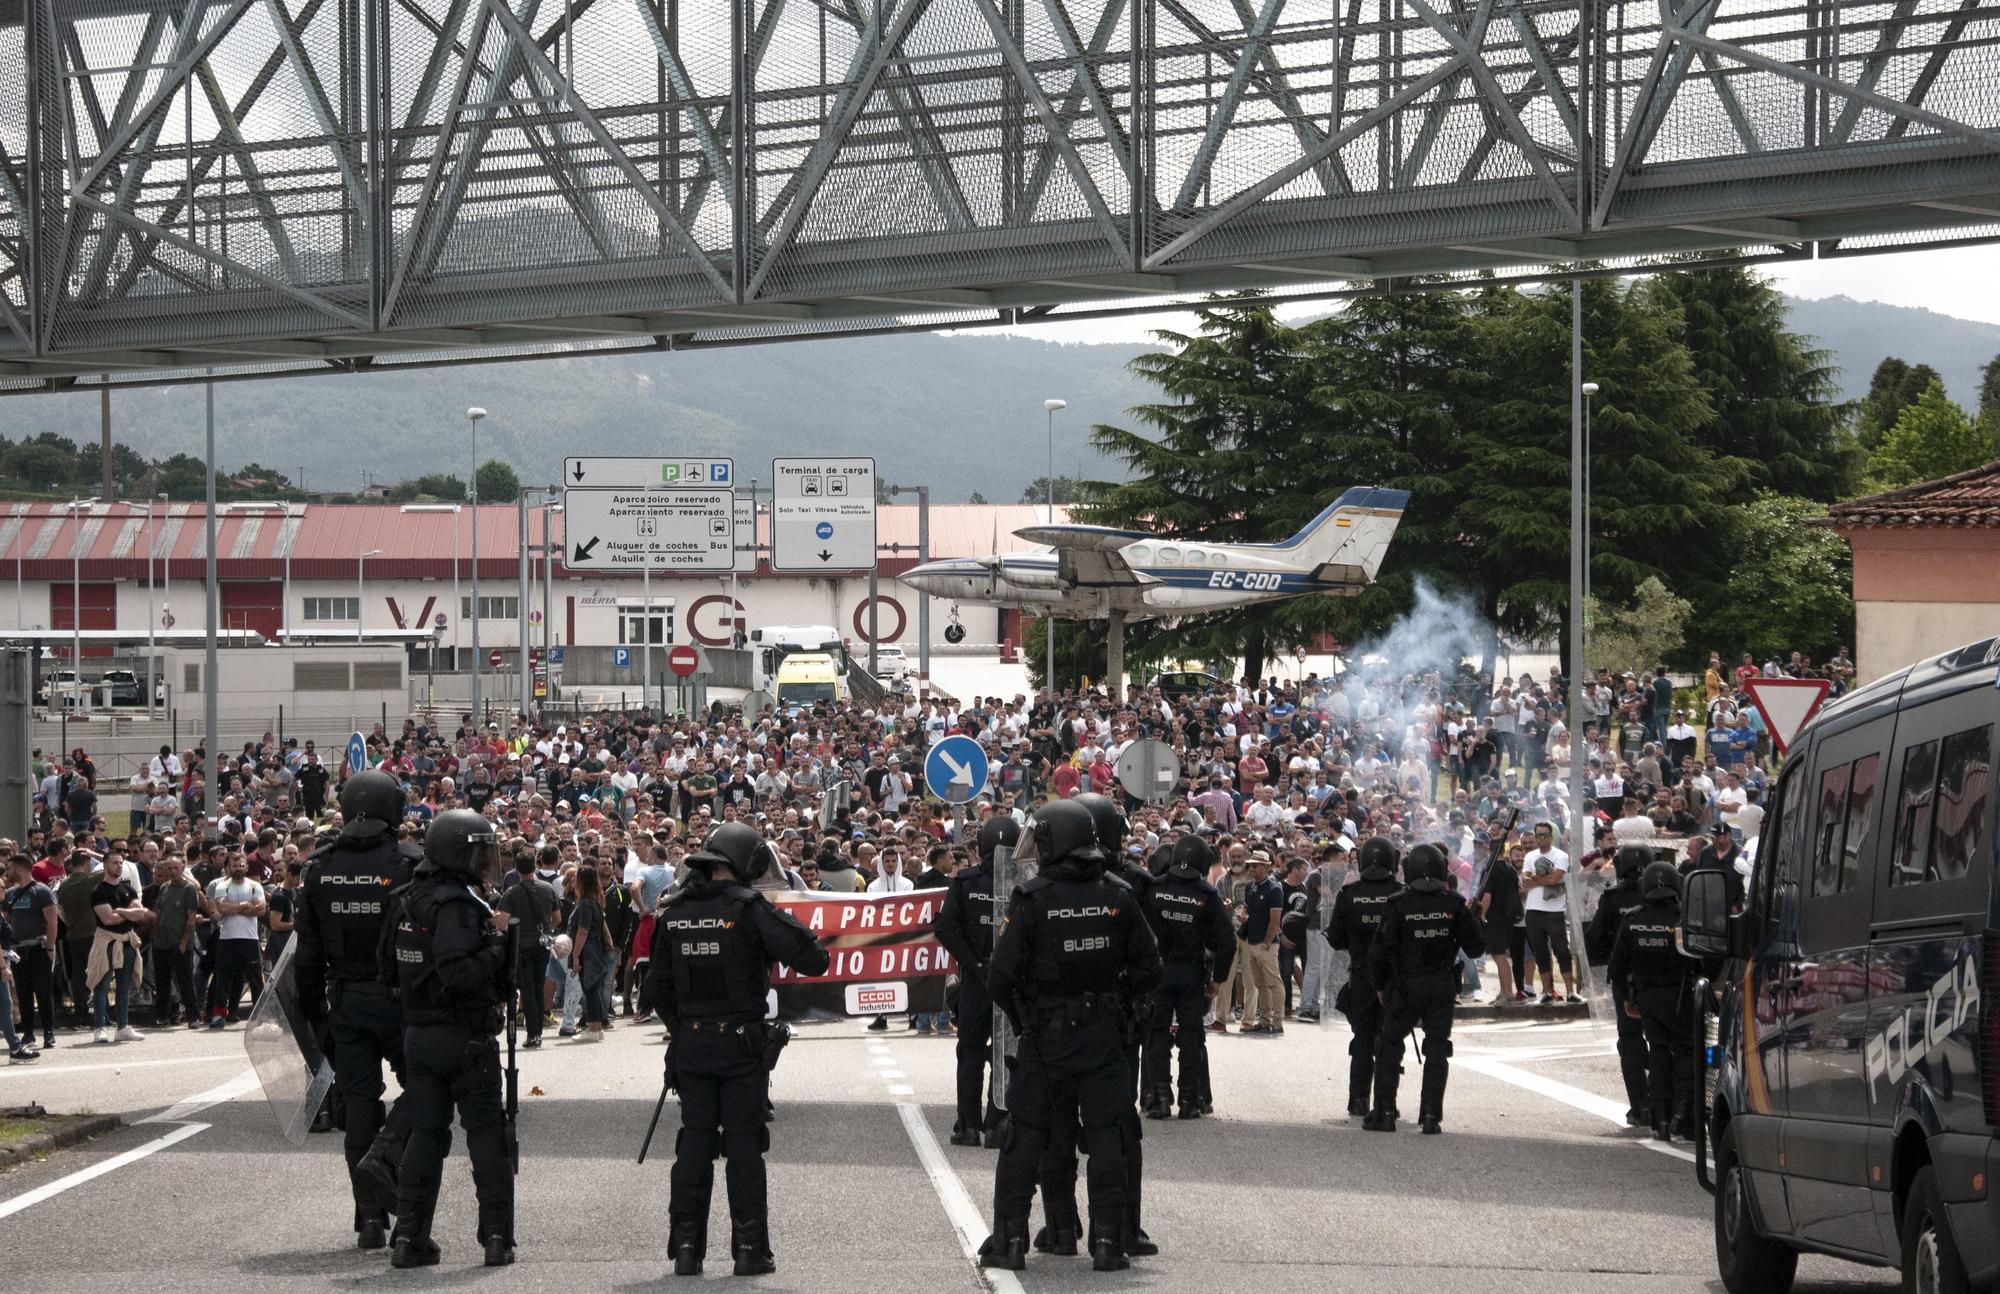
1723	854
1263	909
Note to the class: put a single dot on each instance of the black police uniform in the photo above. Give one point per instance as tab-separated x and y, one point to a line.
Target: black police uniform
1414	961
713	947
1654	976
1073	953
1358	910
1197	944
452	973
340	920
1614	907
965	926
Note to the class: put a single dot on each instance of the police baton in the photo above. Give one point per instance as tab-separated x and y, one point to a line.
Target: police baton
659	1107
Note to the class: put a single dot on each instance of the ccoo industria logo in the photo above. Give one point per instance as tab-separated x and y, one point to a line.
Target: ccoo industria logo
1918	1032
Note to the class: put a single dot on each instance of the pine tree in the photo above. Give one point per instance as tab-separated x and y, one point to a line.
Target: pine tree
1657	490
1221	459
1895	386
1397	379
1773	392
1933	438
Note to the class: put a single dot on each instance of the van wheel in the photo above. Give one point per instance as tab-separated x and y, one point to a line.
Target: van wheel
1749	1263
1931	1264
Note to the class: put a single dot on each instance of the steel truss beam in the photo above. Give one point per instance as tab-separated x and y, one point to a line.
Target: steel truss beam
283	185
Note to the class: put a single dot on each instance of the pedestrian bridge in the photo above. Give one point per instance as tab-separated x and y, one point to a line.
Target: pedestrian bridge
259	186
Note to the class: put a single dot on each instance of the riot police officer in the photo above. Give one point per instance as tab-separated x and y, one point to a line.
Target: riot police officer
1074	952
713	947
965	926
1653	975
1064	1225
342	912
1414	964
452	970
1191	922
1614	907
1357	916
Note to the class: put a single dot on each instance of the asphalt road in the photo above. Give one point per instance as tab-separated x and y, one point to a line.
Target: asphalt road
1535	1188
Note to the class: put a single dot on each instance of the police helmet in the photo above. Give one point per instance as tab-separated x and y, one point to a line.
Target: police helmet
1066	832
464	844
1110	820
371	803
998	830
1424	869
734	846
1631	861
1660	881
1192	857
1378	859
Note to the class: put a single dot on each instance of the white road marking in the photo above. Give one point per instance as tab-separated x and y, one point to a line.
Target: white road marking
1574	1097
243	1083
958	1207
33	1071
894	1073
881	1060
28	1199
901	1089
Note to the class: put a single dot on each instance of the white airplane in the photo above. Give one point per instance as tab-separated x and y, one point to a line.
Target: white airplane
1095	572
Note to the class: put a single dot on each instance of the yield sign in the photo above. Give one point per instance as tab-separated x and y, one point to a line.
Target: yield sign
1786	704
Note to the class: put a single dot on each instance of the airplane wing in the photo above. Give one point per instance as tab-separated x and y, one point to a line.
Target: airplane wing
1089	555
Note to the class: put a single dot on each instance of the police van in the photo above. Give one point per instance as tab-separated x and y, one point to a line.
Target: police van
1851	1057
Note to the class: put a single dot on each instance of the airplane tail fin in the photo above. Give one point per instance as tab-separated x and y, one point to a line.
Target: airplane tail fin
1348	540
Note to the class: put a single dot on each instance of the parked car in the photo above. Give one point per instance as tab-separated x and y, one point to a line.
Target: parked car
1183	683
127	688
59	687
892	664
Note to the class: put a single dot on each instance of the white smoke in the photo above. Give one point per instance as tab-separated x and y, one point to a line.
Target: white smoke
1438	632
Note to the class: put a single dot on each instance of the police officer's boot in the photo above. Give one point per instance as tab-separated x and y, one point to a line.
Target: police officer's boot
996	1130
966	1134
499	1251
1161	1106
687	1242
1360	1077
412	1246
1107	1254
1132	1237
1007	1247
373	1233
1058	1238
750	1241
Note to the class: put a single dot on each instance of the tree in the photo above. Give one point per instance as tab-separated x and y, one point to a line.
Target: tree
1657	490
1789	588
977	498
1989	388
1080	653
435	485
1648	631
1895	386
1067	489
1398	378
42	466
1772	391
1933	438
180	477
1226	451
498	482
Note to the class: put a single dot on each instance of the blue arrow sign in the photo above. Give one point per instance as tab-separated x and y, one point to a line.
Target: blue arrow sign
824	530
555	655
955	769
357	754
621	658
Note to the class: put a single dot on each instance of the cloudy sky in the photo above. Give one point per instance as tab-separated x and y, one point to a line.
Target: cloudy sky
1957	282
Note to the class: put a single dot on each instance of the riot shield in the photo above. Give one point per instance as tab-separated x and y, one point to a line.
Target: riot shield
1332	963
286	1054
1011	867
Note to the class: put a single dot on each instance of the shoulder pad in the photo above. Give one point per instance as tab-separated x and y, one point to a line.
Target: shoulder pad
1034	885
742	894
1117	882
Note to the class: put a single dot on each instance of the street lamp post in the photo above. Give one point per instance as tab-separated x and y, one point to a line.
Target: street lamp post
152	616
1589	389
361	589
76	507
1051	407
473	415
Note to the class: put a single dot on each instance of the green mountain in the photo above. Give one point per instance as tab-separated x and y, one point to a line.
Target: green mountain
959	413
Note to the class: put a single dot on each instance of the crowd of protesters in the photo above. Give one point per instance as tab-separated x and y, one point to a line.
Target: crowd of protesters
177	919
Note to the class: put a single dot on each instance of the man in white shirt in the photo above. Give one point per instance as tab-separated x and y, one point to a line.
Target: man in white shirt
1750	817
1730	798
1632	827
1266	813
1545	893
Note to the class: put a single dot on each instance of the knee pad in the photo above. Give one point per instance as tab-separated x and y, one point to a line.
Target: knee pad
1361	1046
1437	1049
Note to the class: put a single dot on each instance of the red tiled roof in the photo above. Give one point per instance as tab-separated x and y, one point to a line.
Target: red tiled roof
1965	499
326	541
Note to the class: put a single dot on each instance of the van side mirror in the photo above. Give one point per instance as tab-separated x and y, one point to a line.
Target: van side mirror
1705	914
